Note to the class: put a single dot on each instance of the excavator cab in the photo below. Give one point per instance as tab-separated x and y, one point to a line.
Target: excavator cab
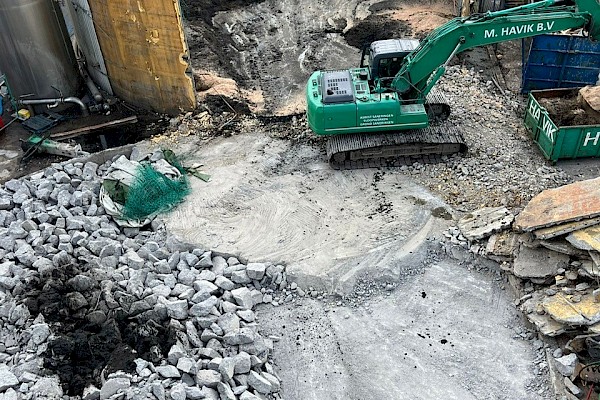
385	57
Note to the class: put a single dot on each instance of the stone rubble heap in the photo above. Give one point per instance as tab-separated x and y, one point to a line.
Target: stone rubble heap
551	255
68	272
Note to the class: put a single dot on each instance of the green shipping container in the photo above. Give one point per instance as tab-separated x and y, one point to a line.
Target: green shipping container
561	141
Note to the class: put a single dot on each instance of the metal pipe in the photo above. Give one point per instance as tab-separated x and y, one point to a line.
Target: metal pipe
51	103
90	83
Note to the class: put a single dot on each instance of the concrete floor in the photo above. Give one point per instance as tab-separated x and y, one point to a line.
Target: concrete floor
443	332
446	334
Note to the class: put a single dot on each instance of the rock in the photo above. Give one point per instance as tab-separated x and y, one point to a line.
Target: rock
243	363
224	283
208	378
259	383
275	385
203	308
178	392
177	309
225	392
229	322
227	368
240	277
240	336
572	387
91	392
7	379
243	297
168	371
158	390
50	387
194	393
113	386
187	365
566	364
39	333
248	396
75	300
256	271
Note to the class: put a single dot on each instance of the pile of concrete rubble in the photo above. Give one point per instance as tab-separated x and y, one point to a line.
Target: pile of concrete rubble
551	251
90	309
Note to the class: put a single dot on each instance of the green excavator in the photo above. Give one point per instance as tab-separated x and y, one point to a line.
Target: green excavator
382	113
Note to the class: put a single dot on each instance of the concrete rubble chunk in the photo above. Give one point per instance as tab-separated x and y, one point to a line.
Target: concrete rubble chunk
576	201
566	364
546	325
501	246
178	392
49	386
563	309
243	297
586	239
240	336
225	392
224	283
248	396
177	309
561	246
194	393
113	386
7	379
227	368
484	222
256	271
259	383
275	385
243	363
168	371
538	263
208	378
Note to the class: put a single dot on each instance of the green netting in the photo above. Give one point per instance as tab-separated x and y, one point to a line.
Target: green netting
152	192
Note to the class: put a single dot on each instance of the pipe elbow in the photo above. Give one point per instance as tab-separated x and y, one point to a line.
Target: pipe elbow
75	100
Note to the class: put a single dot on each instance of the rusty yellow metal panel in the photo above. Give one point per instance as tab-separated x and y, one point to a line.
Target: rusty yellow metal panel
146	53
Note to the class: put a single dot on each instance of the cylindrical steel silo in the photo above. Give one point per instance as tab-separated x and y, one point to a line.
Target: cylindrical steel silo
35	50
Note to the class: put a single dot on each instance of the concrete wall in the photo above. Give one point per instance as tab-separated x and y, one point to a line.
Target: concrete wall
145	52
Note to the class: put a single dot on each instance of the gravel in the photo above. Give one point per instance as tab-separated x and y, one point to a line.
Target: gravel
93	310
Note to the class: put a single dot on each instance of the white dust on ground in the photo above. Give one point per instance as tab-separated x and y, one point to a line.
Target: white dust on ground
270	200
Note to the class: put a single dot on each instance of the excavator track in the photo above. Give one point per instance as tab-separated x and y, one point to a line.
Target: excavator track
390	149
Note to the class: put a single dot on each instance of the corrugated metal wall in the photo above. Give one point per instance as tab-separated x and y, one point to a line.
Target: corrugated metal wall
81	16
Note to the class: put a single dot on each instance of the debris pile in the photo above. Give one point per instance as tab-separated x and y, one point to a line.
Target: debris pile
89	308
553	255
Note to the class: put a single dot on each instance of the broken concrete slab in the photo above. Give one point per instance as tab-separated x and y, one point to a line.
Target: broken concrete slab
546	325
586	239
589	269
484	222
538	263
501	246
562	246
574	202
564	310
563	229
595	257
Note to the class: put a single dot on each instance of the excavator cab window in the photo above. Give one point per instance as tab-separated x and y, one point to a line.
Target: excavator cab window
389	67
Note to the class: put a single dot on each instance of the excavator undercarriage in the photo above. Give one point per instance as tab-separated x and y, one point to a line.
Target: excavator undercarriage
397	148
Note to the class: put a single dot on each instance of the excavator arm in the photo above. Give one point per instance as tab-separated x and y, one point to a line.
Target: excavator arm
422	68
